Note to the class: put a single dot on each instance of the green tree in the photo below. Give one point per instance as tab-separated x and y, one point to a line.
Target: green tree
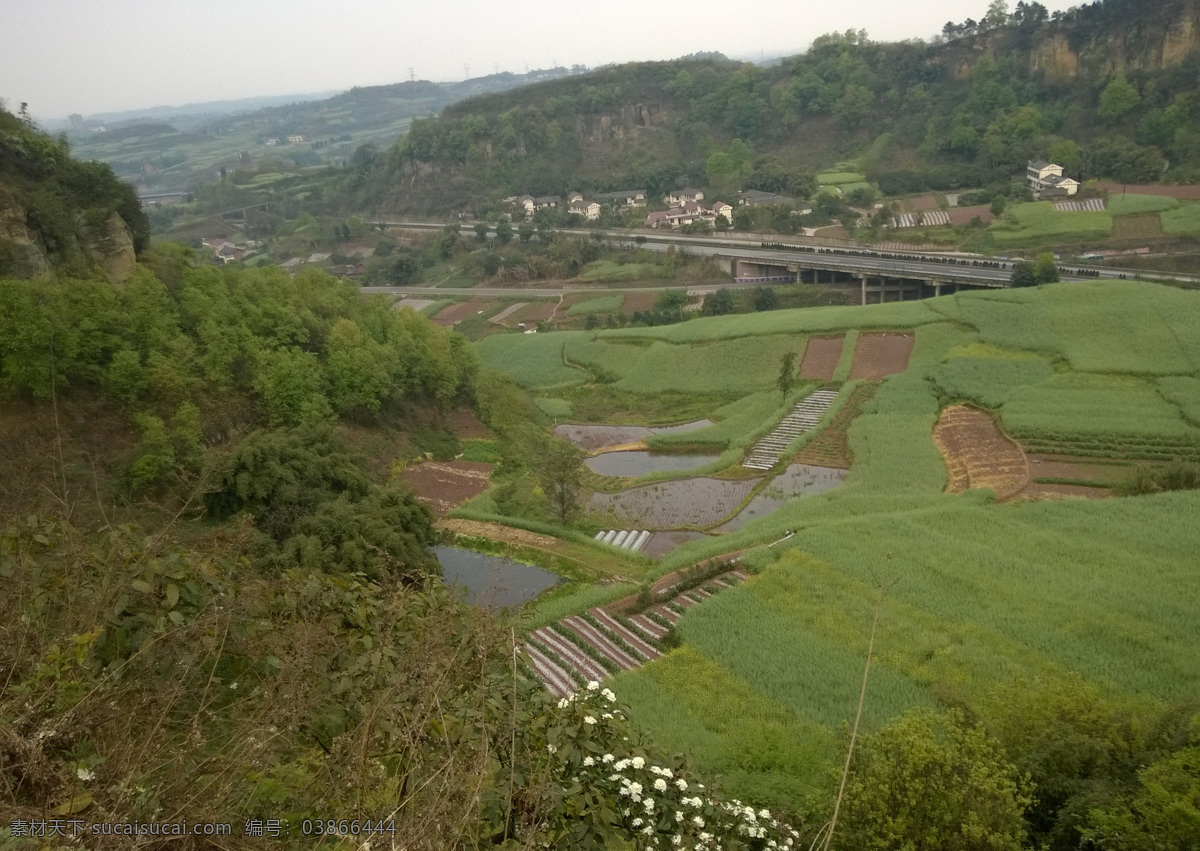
1118	97
719	303
787	372
1045	269
933	782
504	232
561	475
1024	275
765	298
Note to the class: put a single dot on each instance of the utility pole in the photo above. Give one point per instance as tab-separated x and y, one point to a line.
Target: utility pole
411	76
467	69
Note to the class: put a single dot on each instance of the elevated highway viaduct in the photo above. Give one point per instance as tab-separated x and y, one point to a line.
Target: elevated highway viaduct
880	276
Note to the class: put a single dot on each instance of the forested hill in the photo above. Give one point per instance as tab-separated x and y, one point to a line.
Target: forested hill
61	215
1106	90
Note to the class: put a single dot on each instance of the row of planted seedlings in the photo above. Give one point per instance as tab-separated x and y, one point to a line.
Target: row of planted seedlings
605	640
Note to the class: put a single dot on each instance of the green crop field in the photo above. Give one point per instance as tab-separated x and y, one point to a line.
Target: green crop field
533	360
980	595
1039	221
1182	220
840	177
1130	204
607	270
746	363
603	304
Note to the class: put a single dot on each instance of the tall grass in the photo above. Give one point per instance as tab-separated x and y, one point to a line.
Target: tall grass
811	320
1184	392
1102	415
603	304
1182	220
737	365
1013	319
1117	327
535	361
764	750
1131	204
987	382
1039	221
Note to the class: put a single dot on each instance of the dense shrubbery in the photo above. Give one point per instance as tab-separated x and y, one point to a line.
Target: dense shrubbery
62	197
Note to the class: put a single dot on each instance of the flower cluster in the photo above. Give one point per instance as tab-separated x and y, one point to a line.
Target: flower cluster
659	806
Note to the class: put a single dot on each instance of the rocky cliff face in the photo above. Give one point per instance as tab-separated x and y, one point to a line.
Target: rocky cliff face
102	240
111	248
20	255
621	125
1160	38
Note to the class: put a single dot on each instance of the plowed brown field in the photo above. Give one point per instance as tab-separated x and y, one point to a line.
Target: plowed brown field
978	455
831	448
455	312
636	301
821	358
879	355
445	485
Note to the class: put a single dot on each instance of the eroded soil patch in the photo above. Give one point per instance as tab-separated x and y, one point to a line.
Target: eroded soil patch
879	355
445	485
977	454
831	448
496	532
821	358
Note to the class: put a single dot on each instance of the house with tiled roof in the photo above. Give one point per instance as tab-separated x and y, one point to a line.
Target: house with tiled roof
624	197
1047	179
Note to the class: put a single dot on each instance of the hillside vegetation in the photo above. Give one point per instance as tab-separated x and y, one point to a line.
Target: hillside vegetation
1066	625
1086	89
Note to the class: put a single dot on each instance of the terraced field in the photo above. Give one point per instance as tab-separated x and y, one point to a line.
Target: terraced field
677	504
579	649
831	448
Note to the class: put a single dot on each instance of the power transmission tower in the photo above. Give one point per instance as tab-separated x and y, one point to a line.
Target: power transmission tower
467	69
411	76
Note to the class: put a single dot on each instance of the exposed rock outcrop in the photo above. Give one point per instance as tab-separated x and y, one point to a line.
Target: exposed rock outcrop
20	255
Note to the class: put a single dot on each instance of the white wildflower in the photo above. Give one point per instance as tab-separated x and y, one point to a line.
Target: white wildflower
649	805
678	816
564	703
608	758
589	761
552	748
638	762
609	696
696	820
593	685
621	765
589	719
682	784
85	775
637	822
660	785
764	813
233	686
636	788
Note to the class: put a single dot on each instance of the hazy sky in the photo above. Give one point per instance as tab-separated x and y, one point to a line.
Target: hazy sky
88	56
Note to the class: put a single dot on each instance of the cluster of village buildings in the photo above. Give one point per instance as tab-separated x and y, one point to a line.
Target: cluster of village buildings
684	206
1047	180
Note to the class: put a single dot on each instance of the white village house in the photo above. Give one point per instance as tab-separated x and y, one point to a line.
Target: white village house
1047	180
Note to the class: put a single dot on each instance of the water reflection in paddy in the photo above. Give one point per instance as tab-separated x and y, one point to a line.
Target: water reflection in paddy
641	463
492	581
796	480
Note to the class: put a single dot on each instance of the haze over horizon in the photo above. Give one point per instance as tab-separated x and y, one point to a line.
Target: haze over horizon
63	57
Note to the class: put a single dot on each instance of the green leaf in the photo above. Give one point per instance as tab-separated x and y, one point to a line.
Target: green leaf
172	595
176	617
141	585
